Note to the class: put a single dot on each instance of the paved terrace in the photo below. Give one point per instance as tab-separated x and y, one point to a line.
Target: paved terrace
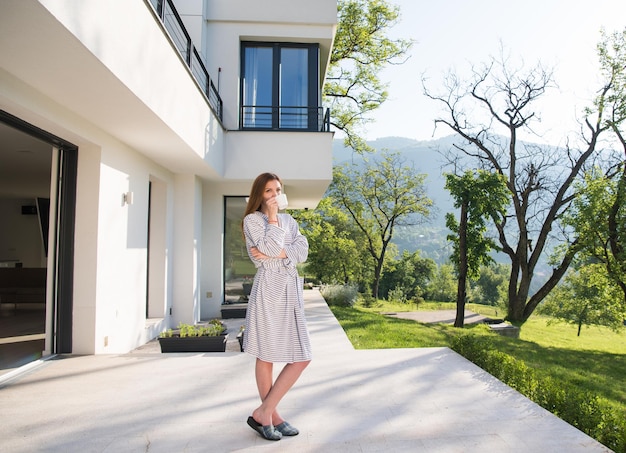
428	399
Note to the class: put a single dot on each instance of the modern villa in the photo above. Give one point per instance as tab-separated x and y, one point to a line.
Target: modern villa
130	134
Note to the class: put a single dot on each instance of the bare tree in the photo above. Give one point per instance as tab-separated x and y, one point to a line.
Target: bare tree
488	113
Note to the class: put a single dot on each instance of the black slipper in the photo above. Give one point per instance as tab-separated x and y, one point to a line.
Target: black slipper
286	429
267	432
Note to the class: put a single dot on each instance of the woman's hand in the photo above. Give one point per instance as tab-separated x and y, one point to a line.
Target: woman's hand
257	255
272	209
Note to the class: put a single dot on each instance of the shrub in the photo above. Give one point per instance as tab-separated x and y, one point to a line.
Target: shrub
397	294
367	300
340	295
593	415
417	300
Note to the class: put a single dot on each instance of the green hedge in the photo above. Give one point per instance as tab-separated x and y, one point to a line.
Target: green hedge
594	416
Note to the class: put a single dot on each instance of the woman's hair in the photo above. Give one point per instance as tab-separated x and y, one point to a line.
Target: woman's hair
256	192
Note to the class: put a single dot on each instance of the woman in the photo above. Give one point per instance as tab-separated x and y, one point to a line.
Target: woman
275	325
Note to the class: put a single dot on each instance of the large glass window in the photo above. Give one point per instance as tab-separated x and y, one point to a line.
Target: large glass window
279	88
257	87
293	87
238	269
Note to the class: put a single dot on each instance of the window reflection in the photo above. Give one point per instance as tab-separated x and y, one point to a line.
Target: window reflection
238	269
279	86
293	88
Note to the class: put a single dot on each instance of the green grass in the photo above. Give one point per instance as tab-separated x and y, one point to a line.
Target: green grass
595	361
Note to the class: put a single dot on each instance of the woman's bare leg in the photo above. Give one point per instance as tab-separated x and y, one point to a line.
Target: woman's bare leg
272	394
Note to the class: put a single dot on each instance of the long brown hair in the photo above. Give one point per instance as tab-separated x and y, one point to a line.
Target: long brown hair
255	200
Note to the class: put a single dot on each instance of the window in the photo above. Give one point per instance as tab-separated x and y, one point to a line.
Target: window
279	88
238	269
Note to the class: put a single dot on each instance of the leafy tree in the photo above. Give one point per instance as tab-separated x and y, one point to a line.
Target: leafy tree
488	112
599	219
586	297
442	287
480	195
379	196
334	252
361	50
599	215
411	273
490	287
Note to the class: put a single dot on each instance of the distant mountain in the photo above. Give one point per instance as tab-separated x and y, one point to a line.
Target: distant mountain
426	158
424	155
429	238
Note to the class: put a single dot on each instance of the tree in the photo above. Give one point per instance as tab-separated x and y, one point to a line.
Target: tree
334	252
361	50
586	297
490	287
410	272
599	219
379	196
480	195
599	214
442	287
488	114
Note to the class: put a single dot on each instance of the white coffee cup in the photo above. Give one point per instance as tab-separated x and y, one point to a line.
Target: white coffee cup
281	200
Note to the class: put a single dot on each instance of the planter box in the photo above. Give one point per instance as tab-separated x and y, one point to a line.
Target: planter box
234	310
193	344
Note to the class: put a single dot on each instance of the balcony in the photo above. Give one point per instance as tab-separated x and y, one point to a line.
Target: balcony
288	118
172	22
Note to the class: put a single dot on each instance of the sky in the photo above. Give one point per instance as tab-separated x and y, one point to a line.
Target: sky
454	34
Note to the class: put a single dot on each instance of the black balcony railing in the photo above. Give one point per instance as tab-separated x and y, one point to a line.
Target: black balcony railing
293	118
172	22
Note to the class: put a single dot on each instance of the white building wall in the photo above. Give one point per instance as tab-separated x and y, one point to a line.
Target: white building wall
122	248
136	115
187	248
224	41
110	238
191	13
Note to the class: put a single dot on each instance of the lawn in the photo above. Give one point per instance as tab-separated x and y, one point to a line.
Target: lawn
595	361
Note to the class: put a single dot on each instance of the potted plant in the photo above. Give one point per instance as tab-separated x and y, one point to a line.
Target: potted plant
195	338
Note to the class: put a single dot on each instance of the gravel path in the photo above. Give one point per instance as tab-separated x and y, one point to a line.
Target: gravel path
438	316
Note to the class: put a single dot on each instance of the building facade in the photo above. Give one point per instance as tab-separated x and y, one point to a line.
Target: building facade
136	127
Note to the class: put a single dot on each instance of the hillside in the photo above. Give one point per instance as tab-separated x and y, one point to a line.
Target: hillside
429	238
425	157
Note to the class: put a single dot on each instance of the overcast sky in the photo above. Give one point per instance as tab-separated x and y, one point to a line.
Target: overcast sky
561	34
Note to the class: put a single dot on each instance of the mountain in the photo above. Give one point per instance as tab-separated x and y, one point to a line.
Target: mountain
425	156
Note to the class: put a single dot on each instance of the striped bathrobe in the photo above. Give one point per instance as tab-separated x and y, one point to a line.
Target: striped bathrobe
275	324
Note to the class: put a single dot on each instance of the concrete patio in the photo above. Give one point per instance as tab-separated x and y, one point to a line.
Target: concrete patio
428	399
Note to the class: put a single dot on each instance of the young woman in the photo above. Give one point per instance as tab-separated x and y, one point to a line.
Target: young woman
276	329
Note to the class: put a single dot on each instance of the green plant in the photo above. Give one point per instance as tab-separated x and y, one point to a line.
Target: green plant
590	413
397	294
341	295
214	328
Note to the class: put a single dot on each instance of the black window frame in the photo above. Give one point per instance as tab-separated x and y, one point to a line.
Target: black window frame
313	94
